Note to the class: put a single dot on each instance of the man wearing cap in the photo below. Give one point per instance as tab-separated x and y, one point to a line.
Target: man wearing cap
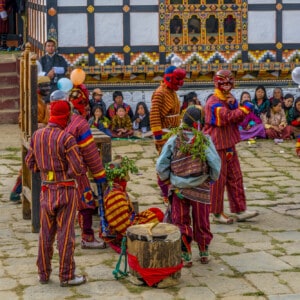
55	154
97	100
80	129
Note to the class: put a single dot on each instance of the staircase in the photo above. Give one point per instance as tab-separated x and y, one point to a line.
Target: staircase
9	89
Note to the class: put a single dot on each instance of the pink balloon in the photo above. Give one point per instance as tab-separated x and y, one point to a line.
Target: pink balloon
77	76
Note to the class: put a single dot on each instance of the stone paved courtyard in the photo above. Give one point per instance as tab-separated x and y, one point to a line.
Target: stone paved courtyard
258	259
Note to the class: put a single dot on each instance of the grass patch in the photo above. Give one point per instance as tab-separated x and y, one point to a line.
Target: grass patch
256	294
12	149
232	242
109	262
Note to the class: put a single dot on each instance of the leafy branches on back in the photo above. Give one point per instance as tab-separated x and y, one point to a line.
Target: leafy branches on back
195	146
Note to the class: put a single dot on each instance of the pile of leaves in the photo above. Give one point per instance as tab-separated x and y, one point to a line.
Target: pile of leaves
120	169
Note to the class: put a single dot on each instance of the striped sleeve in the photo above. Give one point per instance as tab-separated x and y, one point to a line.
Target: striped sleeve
88	149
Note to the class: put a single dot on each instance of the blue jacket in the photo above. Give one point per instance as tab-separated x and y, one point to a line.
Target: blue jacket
163	164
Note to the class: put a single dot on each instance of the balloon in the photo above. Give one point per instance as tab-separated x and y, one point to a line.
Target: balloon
64	84
176	61
77	76
296	75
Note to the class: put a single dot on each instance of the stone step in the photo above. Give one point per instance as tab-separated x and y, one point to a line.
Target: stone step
9	103
9	66
9	91
9	116
9	78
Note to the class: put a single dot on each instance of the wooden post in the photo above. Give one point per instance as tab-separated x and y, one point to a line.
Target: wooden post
28	95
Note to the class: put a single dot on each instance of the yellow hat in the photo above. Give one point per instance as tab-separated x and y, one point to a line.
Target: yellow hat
43	79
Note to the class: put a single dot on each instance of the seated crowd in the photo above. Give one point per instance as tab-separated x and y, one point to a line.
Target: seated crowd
277	117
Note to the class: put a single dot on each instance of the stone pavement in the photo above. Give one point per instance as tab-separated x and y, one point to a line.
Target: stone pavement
258	259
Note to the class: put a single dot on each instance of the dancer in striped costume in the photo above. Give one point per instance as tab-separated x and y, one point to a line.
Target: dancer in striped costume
80	129
165	105
56	155
222	116
165	112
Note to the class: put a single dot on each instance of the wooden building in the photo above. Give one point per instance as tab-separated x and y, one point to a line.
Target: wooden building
130	42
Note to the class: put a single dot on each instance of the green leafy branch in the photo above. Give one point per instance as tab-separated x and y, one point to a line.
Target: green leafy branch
196	146
120	170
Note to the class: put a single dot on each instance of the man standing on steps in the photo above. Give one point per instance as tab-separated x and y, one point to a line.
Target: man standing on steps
53	65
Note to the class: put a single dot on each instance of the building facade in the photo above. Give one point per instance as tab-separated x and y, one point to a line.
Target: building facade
127	44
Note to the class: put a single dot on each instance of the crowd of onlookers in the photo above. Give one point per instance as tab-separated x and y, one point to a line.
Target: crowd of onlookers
277	117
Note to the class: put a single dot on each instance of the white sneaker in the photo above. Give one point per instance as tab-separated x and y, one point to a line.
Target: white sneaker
95	244
222	219
77	280
245	215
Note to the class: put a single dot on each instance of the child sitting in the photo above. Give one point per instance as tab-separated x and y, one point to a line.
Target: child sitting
251	127
141	121
121	125
275	122
98	120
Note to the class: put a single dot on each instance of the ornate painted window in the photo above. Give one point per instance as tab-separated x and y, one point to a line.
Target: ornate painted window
203	25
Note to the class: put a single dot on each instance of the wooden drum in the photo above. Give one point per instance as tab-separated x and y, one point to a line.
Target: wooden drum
154	254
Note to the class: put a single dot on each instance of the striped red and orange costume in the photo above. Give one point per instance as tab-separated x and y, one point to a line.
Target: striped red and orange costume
164	114
56	155
80	129
119	213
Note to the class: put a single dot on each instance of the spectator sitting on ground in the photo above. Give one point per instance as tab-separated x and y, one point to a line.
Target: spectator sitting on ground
260	100
251	127
275	122
277	94
99	121
118	101
295	123
97	100
121	125
287	105
141	121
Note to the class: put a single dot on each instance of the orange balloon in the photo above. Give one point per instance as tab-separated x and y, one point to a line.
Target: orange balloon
77	76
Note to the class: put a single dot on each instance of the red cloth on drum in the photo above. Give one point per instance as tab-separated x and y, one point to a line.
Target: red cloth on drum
152	275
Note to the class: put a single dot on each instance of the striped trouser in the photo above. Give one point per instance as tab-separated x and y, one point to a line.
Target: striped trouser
85	206
230	177
200	214
58	210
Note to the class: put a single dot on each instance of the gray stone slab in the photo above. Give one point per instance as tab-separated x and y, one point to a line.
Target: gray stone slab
286	236
255	262
45	292
285	297
196	293
268	283
292	279
9	295
228	286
